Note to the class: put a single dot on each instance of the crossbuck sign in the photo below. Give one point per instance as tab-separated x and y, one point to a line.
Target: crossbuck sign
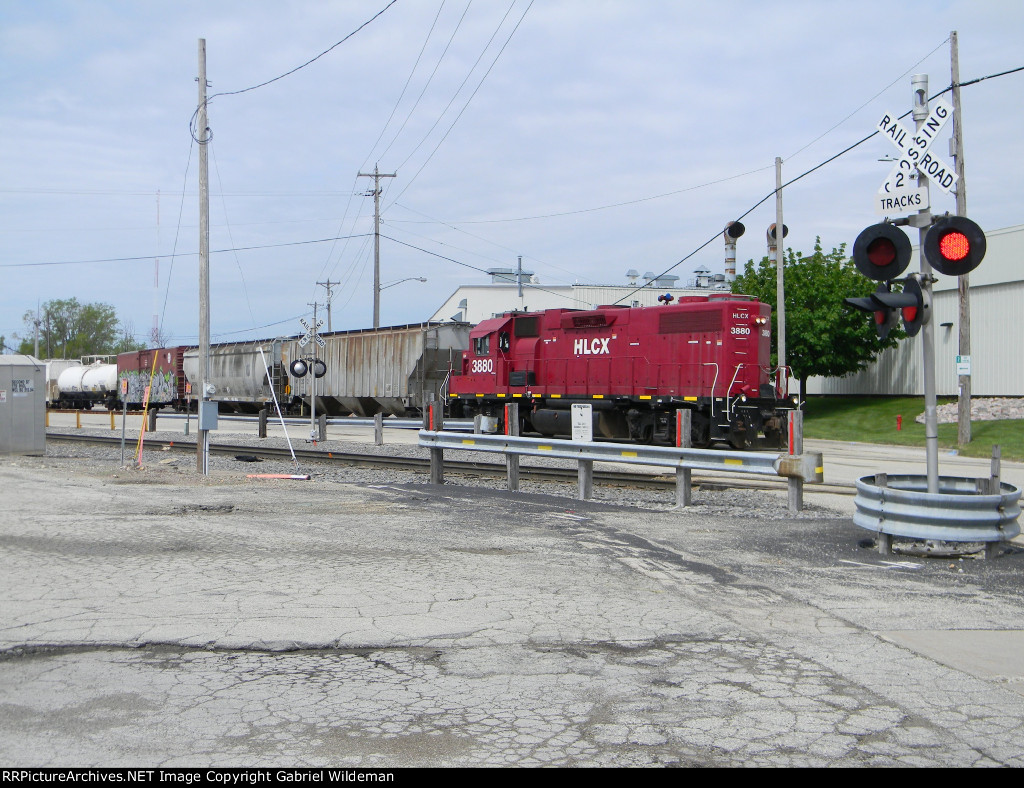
897	194
311	333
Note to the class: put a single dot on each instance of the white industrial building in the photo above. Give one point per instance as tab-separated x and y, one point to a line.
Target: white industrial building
473	303
997	333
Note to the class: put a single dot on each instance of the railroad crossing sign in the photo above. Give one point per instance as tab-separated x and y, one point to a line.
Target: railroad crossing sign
311	333
897	194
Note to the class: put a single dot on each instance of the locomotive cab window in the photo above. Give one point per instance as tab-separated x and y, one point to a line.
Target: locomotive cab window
503	341
482	346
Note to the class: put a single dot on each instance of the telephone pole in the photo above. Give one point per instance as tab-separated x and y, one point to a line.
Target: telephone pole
203	437
963	282
376	237
328	284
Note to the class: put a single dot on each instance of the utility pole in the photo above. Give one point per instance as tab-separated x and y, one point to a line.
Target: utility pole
376	237
203	437
963	433
328	284
780	267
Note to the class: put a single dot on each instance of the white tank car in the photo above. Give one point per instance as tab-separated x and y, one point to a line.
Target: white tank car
85	386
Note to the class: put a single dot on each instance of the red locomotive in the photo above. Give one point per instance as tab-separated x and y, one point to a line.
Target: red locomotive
636	367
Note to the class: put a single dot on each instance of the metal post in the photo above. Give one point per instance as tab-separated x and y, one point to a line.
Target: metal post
124	419
203	438
512	460
884	541
151	416
586	480
436	424
684	487
263	423
919	83
312	382
796	446
378	429
321	422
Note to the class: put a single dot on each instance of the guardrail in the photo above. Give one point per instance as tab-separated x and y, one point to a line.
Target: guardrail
807	467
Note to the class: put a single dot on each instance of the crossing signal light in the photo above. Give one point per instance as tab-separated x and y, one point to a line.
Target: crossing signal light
882	252
917	309
885	316
888	307
954	245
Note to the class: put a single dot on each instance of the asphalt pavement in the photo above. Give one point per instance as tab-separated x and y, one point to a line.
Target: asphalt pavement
153	617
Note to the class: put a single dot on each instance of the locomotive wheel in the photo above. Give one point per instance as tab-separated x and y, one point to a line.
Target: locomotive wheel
700	431
741	436
772	439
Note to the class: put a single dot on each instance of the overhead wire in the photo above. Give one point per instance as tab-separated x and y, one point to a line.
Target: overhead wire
334	46
494	62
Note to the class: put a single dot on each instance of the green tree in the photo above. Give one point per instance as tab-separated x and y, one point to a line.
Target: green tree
68	329
823	336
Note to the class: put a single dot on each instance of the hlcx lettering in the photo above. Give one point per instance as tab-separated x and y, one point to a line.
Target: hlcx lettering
595	347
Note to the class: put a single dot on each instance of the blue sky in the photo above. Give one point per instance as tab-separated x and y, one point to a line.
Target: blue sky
671	112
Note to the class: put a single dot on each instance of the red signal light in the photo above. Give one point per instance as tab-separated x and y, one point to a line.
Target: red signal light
954	246
909	314
881	251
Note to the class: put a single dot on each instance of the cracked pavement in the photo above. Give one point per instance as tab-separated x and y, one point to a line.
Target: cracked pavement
151	617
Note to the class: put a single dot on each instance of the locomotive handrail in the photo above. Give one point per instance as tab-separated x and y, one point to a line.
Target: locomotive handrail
728	405
713	384
806	466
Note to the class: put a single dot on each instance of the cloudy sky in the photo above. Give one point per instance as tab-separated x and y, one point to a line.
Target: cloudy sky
588	136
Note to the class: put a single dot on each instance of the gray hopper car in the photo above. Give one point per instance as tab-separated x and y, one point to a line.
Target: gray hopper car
386	370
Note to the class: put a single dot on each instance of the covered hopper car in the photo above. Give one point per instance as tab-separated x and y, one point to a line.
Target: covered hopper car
636	367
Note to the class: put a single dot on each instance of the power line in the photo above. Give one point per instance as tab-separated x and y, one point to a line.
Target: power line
468	101
186	254
282	76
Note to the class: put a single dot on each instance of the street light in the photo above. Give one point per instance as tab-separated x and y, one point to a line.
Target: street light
399	281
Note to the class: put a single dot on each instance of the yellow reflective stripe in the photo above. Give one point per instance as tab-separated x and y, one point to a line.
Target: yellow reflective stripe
555	396
819	469
545	448
689	399
629	454
468	442
501	395
645	396
599	396
734	462
480	395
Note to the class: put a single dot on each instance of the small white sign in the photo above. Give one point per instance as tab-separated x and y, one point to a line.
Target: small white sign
963	366
902	201
3	396
582	423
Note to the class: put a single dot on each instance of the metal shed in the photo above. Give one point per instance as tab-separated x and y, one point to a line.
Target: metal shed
22	405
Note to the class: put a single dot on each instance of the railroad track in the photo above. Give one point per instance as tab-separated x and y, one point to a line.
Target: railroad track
461	467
